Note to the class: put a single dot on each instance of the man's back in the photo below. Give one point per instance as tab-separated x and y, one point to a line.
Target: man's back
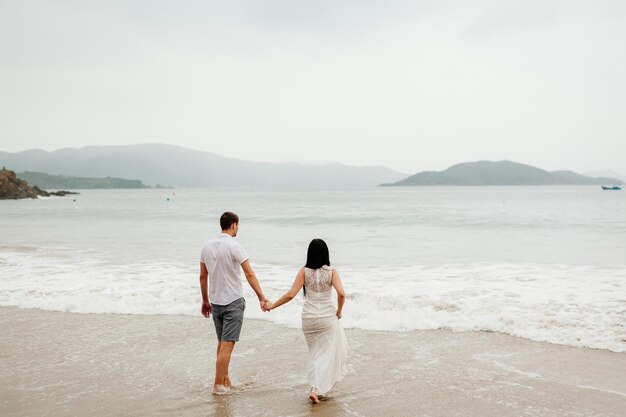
221	262
223	257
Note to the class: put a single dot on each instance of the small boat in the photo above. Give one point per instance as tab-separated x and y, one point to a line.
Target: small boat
614	187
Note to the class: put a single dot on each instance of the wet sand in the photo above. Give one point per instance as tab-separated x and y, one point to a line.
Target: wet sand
63	364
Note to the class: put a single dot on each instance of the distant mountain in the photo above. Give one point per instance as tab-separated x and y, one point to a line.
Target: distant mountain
609	174
499	173
47	181
176	166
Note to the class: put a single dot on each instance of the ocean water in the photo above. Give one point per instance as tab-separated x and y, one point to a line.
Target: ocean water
542	263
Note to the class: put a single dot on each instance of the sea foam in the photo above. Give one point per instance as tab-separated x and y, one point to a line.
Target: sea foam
563	304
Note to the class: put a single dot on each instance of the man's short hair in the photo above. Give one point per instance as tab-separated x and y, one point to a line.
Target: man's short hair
228	219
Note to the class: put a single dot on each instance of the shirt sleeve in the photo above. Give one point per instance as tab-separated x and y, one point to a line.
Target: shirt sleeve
239	253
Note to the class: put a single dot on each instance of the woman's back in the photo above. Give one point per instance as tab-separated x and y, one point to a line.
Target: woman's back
318	301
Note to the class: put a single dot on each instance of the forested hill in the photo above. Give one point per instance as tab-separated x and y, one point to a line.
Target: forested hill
47	181
499	173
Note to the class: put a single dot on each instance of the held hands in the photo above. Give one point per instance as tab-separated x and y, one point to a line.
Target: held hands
266	305
205	309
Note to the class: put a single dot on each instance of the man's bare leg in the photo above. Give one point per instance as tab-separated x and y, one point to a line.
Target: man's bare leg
227	382
224	352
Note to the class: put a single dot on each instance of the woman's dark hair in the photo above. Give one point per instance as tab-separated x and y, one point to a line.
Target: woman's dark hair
316	256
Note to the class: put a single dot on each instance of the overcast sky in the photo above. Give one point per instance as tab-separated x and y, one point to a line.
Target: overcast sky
412	85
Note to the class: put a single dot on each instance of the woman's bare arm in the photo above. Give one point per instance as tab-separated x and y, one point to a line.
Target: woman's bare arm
341	295
293	291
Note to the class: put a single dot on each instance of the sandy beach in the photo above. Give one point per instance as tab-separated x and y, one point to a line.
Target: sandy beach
63	364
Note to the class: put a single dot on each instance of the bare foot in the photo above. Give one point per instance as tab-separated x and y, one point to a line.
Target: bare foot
313	397
227	382
220	390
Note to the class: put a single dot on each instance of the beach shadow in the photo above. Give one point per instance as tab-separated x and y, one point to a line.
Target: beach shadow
327	407
222	406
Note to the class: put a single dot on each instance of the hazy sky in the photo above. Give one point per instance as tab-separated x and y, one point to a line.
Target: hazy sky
412	85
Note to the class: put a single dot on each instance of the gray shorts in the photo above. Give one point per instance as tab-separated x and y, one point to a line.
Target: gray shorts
228	320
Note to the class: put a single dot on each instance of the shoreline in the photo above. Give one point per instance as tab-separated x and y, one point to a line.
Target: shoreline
58	364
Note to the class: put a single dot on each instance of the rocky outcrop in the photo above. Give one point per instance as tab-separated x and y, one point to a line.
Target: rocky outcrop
13	188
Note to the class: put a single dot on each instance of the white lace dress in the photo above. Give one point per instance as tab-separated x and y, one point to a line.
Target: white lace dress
328	346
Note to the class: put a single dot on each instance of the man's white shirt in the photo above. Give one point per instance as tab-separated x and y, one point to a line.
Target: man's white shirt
223	257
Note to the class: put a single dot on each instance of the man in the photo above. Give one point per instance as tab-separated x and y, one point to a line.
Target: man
220	264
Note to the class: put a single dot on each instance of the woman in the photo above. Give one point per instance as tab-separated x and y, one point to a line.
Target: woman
328	346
